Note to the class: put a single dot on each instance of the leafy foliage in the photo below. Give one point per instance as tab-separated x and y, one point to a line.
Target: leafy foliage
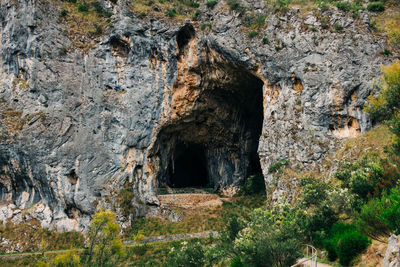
345	242
381	217
376	7
253	34
211	3
368	177
264	239
69	259
276	167
386	106
105	246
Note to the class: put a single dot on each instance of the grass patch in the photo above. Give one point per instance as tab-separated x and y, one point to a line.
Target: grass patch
200	221
177	10
30	235
84	19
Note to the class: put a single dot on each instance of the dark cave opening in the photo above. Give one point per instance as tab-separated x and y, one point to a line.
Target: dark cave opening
189	168
215	144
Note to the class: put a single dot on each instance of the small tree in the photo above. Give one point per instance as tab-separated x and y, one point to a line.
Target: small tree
69	259
104	241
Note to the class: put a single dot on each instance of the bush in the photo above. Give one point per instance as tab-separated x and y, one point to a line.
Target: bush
83	7
350	244
63	13
235	5
69	259
376	7
345	243
267	242
211	3
100	10
345	6
196	14
386	52
276	166
368	177
171	12
338	27
253	34
265	40
381	217
188	253
104	243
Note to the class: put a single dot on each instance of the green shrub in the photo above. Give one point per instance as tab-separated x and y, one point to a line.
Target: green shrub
211	3
282	5
235	5
345	6
171	12
265	40
124	199
386	52
196	14
83	7
100	10
276	167
71	1
188	253
345	243
368	177
191	4
338	27
253	34
376	7
63	13
350	244
381	217
70	259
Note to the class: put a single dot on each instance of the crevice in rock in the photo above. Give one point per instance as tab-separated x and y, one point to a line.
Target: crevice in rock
3	192
119	47
185	34
72	177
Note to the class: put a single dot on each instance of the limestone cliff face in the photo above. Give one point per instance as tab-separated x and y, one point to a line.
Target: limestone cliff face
151	100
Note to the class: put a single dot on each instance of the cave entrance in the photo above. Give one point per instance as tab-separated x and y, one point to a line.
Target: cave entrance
189	167
215	142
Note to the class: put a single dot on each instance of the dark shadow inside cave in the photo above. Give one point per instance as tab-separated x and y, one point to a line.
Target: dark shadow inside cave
216	143
189	168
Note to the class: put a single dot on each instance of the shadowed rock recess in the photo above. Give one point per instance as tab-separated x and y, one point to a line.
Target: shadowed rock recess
152	103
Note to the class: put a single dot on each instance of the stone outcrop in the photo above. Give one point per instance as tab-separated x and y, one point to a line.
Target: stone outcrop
152	96
392	255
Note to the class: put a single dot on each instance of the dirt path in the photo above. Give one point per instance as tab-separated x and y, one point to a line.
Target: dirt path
319	264
162	238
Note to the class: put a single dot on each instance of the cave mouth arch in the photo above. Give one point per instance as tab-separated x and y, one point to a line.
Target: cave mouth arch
214	142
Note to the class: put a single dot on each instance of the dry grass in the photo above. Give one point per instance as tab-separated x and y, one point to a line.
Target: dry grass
30	235
83	28
197	220
146	8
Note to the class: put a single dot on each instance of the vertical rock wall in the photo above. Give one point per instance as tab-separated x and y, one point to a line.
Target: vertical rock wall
77	125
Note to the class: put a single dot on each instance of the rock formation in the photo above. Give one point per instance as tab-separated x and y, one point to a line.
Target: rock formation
153	101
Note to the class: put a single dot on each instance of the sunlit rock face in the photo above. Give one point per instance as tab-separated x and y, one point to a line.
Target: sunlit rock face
153	103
